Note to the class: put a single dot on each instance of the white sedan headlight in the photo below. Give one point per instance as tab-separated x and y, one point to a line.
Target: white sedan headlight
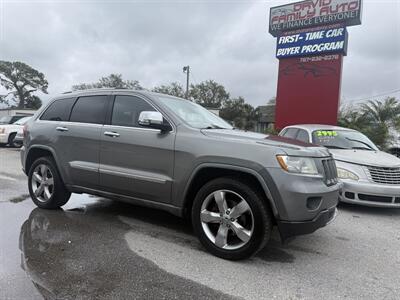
299	165
346	174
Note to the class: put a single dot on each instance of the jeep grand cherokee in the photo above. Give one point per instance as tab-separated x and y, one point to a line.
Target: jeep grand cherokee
169	153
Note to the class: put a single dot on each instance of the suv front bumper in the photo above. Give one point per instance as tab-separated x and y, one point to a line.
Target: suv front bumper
303	203
290	229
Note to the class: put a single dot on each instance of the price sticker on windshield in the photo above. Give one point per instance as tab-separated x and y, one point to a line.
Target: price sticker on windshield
326	133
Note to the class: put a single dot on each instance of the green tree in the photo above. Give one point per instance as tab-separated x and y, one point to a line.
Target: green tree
209	94
33	102
386	112
351	117
373	118
272	101
111	81
173	89
241	114
21	81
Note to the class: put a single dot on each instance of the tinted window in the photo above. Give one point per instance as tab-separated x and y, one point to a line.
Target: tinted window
22	121
15	119
302	135
127	109
89	109
59	110
290	133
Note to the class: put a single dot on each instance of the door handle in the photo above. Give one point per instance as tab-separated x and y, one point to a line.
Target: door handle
111	133
60	128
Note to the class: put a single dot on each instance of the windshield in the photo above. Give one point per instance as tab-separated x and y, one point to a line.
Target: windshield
342	139
5	120
194	114
22	121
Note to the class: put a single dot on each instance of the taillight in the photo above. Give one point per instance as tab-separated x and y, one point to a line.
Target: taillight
2	130
25	130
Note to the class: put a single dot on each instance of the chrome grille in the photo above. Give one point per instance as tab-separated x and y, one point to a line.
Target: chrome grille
330	171
384	175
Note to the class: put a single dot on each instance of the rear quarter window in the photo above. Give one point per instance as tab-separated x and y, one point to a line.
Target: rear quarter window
303	136
290	133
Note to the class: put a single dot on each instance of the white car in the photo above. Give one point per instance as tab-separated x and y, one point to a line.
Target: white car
370	177
8	132
394	146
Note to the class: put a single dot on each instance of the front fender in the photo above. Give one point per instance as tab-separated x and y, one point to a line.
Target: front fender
255	173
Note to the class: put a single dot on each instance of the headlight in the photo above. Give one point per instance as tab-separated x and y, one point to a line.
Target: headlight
2	130
296	164
346	174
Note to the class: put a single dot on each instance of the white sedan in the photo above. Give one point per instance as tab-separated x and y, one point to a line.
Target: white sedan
370	177
8	132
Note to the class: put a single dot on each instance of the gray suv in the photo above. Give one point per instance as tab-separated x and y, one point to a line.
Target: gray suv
172	154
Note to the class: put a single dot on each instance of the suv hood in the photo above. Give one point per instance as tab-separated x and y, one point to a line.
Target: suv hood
366	158
290	146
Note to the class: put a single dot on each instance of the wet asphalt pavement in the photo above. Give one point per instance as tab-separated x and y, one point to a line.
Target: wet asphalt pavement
95	248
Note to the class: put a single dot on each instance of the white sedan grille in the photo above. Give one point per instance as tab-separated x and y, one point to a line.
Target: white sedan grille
384	175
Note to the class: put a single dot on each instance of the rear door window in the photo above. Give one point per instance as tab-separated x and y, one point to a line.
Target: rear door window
89	109
59	110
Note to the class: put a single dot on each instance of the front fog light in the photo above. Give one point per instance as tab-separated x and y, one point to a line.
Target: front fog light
346	174
296	164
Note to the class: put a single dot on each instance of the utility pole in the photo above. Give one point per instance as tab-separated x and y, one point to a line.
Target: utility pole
186	69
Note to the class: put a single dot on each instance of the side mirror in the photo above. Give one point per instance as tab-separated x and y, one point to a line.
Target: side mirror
153	119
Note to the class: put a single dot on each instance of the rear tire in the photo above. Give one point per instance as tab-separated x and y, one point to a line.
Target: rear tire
227	229
46	187
11	142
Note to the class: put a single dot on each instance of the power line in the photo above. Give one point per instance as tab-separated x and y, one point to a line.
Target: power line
374	96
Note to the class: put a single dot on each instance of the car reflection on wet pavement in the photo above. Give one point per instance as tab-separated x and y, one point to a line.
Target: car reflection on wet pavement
82	253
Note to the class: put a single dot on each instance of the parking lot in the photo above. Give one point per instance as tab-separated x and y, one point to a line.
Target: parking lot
98	248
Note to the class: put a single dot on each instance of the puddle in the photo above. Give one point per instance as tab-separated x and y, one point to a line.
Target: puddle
342	238
19	199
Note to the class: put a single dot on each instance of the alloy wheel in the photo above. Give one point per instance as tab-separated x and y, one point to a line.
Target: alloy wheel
227	219
42	183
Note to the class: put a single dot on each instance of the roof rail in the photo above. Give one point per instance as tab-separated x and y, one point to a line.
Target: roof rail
100	88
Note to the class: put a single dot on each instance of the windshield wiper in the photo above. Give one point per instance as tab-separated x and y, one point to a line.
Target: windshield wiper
362	148
361	142
334	147
213	126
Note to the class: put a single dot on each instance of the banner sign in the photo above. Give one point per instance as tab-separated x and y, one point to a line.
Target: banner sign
314	13
332	40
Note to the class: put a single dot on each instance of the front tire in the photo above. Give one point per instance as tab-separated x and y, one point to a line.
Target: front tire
231	218
45	184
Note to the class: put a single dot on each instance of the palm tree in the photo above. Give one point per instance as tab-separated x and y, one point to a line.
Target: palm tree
385	112
373	118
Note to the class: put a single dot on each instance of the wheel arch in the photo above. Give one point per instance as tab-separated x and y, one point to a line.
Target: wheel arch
38	151
9	135
209	171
